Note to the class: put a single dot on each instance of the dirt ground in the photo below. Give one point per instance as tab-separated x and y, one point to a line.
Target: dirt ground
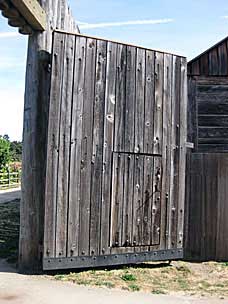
178	279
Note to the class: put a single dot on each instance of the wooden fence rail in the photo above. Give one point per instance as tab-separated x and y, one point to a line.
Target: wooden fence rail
207	207
10	180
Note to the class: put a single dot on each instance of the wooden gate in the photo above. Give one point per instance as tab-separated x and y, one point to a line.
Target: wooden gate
116	154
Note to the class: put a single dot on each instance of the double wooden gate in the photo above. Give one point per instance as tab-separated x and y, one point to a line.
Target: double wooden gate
116	154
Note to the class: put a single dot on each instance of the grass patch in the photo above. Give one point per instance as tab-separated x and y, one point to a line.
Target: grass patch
128	277
199	279
133	287
158	291
9	230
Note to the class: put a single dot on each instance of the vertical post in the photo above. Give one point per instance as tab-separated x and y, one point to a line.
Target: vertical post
8	171
36	103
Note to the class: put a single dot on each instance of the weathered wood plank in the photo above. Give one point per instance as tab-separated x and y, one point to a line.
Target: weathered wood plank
158	108
213	107
128	199
86	154
174	173
182	157
53	143
148	197
139	100
129	127
222	59
203	62
213	62
213	120
149	103
120	98
222	210
138	200
76	139
166	148
211	88
195	68
32	12
98	141
192	114
206	148
64	148
117	199
156	208
110	100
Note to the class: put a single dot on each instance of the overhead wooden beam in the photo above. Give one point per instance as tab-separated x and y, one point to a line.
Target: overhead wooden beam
32	12
27	15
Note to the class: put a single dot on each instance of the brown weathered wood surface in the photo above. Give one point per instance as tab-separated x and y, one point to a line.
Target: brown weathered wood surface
206	221
208	113
36	106
212	62
115	134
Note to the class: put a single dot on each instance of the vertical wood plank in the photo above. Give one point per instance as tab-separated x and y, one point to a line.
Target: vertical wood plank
86	152
120	98
52	145
192	113
149	103
204	66
156	208
148	197
174	172
130	99
166	148
128	199
110	100
159	78
182	159
97	158
64	148
213	62
222	210
76	139
222	59
139	100
138	200
195	68
117	199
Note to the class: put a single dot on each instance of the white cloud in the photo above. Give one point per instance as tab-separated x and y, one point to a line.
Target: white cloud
225	17
124	23
8	35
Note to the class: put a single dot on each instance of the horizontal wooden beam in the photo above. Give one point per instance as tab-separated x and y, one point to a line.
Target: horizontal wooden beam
32	12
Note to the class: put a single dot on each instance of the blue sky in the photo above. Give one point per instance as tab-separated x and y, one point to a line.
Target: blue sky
185	27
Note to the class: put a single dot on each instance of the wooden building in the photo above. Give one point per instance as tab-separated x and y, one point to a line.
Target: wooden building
207	168
116	154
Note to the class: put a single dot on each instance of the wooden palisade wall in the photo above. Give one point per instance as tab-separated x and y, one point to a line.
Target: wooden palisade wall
116	154
35	133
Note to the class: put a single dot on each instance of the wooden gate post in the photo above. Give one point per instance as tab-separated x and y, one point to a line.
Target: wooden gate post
35	134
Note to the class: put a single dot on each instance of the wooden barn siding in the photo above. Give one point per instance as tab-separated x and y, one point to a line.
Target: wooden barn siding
208	113
213	62
206	209
113	108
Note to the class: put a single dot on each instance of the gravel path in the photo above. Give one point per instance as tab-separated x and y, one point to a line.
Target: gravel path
9	195
24	289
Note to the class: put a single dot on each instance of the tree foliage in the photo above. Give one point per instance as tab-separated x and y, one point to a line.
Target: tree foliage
10	152
4	152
